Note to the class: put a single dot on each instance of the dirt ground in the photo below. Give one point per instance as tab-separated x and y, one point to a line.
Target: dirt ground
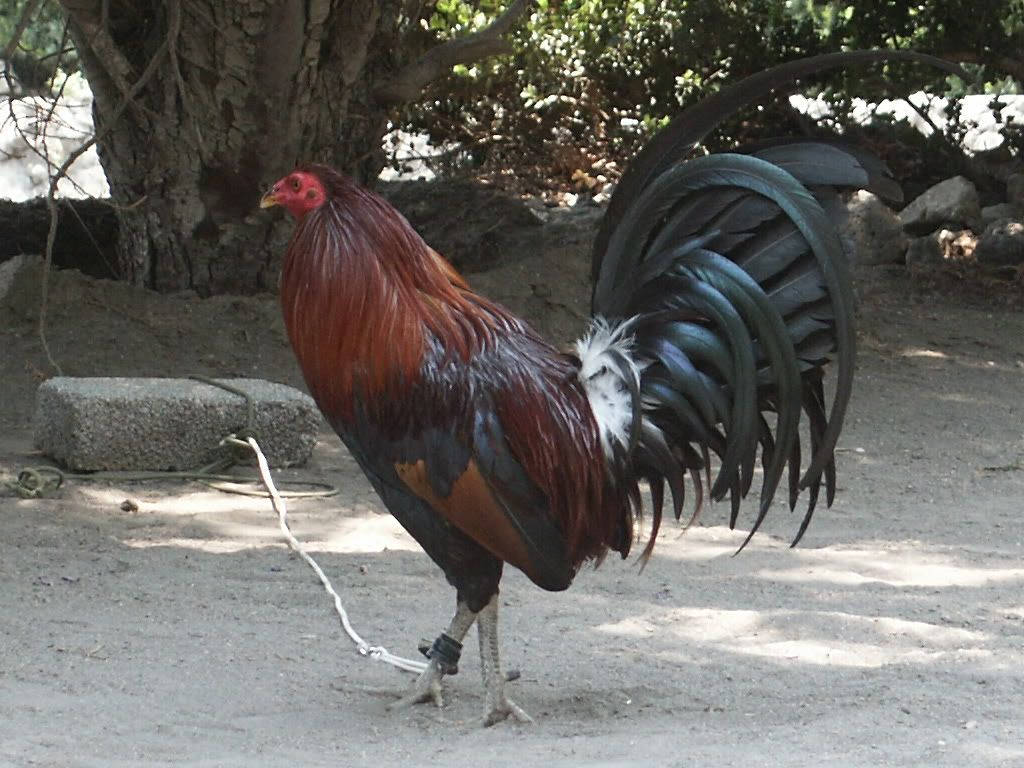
184	633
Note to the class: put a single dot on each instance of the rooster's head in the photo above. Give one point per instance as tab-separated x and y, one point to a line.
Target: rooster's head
299	192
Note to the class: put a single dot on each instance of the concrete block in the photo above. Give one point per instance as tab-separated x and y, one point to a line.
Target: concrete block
167	424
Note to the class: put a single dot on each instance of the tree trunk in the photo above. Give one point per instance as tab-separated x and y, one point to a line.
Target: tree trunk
235	93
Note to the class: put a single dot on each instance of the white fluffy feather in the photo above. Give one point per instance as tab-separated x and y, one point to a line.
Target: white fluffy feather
606	389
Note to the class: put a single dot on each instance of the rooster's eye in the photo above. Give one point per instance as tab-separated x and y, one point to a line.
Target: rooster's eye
295	184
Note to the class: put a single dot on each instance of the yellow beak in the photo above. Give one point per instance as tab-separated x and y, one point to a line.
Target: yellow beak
269	200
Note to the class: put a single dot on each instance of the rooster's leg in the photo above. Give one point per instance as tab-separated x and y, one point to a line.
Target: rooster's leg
497	706
428	685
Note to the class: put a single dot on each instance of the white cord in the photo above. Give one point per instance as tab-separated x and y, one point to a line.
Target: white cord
364	648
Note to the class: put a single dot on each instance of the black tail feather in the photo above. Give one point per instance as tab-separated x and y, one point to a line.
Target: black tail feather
676	140
739	294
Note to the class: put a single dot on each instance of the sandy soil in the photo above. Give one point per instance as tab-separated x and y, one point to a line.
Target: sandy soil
185	634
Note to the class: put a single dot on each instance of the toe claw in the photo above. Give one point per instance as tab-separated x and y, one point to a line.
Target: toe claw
419	697
519	713
426	688
504	710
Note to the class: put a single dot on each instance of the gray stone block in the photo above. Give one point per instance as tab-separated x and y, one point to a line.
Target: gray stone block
167	424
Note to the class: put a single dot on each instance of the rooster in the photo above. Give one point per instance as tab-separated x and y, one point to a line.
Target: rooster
721	292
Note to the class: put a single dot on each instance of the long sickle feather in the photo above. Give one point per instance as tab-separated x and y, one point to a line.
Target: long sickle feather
673	142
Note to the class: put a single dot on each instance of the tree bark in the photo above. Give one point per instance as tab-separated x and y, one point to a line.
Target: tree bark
238	93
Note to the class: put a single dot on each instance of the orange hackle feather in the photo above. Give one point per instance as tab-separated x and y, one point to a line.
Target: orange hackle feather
366	301
360	290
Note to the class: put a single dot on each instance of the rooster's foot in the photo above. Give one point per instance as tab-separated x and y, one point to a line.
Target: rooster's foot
497	706
504	709
444	660
426	688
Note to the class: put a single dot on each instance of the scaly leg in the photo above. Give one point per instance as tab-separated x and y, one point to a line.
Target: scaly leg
428	685
497	706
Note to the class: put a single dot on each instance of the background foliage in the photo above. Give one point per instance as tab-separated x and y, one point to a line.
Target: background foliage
42	47
591	79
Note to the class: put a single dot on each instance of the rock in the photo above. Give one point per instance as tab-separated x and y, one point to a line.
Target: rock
991	213
1002	243
875	231
950	202
924	251
1015	190
10	268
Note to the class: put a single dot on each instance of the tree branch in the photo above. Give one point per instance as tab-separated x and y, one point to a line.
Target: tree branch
91	21
407	84
1013	67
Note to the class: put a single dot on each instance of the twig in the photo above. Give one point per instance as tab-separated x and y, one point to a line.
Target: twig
42	154
51	199
91	237
923	114
53	102
407	84
44	290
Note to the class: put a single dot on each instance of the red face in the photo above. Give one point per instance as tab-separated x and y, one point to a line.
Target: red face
298	193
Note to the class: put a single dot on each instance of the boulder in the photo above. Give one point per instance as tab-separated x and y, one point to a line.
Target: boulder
874	230
992	213
9	270
1015	190
924	251
951	203
1002	243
